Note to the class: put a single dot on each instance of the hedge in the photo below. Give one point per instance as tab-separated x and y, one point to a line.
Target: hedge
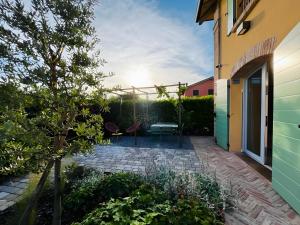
197	113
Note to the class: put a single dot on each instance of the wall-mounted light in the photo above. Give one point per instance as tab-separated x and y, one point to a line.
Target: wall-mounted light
243	27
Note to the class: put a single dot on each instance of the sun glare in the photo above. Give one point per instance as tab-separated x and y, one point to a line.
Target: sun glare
139	76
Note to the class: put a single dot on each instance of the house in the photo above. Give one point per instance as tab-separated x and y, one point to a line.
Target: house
201	88
257	80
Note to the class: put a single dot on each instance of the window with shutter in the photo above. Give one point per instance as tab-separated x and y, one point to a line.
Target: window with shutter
230	15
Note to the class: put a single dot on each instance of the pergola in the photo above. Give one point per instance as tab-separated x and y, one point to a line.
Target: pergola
153	90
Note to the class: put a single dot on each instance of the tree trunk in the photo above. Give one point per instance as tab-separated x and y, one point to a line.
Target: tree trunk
36	194
57	193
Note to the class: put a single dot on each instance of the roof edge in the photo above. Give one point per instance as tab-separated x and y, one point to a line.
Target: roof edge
202	16
200	4
201	81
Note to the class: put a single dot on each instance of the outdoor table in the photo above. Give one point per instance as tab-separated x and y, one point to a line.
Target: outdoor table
163	128
117	135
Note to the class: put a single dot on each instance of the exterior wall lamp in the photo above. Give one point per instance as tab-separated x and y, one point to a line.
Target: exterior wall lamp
243	27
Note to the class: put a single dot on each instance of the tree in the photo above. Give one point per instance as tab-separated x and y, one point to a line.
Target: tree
49	61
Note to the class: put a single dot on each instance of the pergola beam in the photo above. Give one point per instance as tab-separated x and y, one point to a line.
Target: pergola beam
152	87
133	90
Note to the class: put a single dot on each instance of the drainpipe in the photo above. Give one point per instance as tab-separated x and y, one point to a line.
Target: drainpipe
219	39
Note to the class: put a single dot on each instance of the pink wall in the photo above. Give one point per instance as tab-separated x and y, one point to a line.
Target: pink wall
201	86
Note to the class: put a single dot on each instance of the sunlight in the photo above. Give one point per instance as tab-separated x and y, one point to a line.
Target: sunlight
139	76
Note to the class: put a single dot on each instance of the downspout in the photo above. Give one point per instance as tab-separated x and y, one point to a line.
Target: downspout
219	39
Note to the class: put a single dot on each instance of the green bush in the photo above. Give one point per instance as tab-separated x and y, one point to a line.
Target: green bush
73	174
150	206
201	186
160	196
95	188
197	113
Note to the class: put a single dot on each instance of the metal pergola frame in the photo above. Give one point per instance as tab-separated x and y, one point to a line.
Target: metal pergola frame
149	90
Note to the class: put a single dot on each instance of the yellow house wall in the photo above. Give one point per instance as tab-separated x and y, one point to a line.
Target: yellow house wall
269	18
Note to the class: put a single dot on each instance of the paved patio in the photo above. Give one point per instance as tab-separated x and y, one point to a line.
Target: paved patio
136	159
258	204
11	191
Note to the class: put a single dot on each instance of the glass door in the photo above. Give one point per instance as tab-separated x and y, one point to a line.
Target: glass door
254	112
254	115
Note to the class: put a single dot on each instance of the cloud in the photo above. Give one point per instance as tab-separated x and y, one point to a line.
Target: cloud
145	46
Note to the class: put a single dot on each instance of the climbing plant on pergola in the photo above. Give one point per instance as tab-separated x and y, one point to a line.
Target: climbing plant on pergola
159	91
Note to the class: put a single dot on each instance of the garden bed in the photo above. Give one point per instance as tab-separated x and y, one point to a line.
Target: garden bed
157	197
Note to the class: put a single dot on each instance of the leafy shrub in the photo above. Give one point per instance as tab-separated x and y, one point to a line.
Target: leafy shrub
94	188
84	191
201	186
73	174
160	196
150	207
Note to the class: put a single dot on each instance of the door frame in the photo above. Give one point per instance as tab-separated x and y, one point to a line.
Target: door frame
261	159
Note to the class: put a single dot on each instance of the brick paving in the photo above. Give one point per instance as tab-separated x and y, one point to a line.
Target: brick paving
11	191
113	159
258	203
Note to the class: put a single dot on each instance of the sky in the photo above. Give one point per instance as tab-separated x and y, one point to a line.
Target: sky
147	42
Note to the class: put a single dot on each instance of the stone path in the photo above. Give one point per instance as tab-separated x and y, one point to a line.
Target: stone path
258	204
11	191
112	159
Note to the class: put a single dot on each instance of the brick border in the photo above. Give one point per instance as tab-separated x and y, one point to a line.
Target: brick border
263	48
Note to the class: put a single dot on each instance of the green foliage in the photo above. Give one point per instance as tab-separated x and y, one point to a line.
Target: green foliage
150	206
74	173
197	114
49	75
21	151
90	187
159	197
162	92
84	191
201	186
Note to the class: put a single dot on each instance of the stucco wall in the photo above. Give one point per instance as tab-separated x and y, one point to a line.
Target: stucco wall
202	87
268	19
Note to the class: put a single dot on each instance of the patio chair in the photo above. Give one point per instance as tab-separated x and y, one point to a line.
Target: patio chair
133	128
113	129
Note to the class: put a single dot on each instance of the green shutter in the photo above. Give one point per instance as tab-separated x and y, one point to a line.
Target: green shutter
286	130
230	15
221	109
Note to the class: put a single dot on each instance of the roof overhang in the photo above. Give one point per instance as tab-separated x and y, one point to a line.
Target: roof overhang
205	10
201	81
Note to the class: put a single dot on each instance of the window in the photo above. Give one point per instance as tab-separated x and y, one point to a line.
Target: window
230	15
210	92
195	92
235	9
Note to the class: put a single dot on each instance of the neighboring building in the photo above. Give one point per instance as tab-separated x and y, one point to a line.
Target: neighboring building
257	84
201	88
